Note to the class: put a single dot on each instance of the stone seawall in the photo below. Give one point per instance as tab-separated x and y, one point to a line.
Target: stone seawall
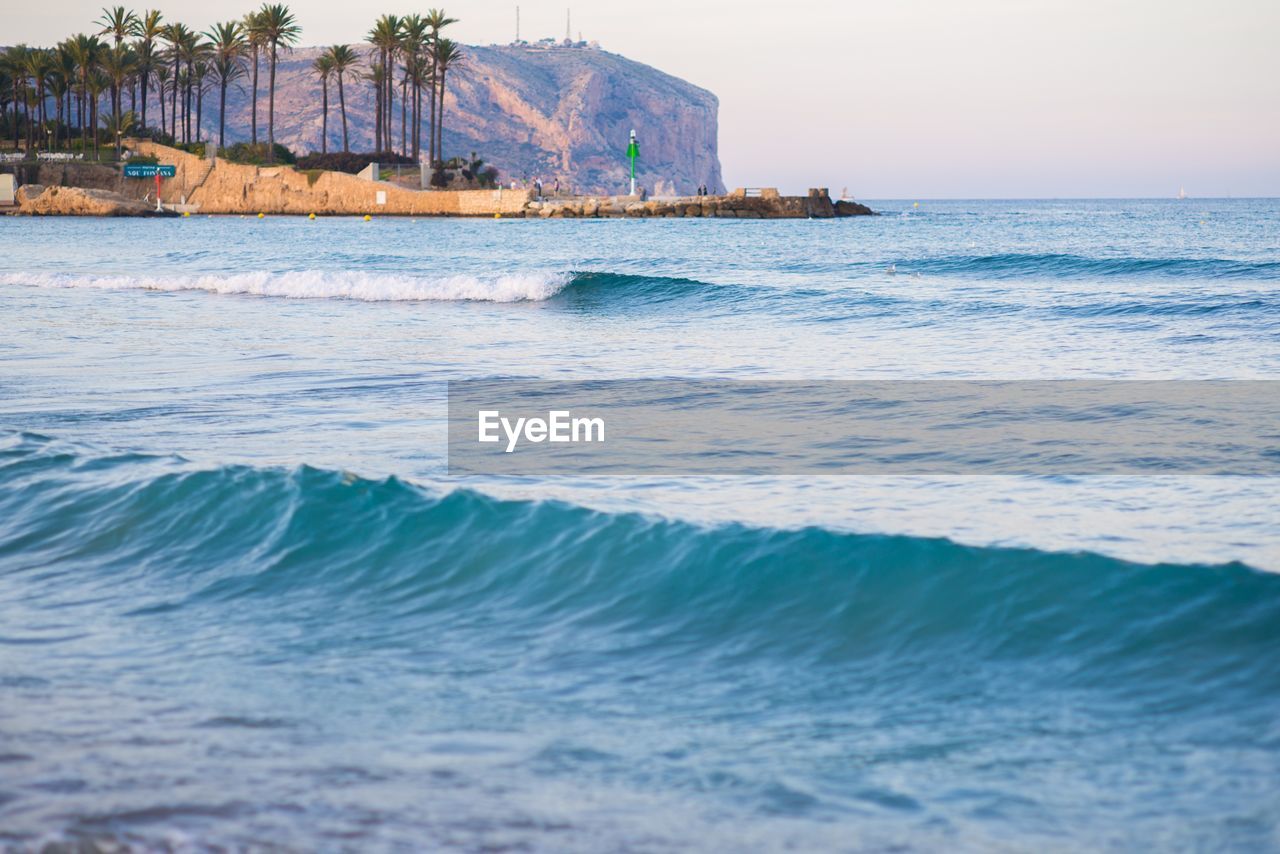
209	186
220	187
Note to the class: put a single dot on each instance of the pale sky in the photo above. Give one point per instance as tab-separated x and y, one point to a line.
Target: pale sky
905	98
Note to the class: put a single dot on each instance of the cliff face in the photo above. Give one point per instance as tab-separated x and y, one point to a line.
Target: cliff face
563	113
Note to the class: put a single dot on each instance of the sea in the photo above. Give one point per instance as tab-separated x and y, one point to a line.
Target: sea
244	604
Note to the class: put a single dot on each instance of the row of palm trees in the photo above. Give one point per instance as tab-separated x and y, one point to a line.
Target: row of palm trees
140	54
413	46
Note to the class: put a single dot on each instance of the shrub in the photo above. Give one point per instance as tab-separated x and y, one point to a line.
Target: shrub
256	155
352	162
153	134
196	148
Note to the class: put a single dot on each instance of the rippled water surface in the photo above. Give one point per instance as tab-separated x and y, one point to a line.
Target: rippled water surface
241	601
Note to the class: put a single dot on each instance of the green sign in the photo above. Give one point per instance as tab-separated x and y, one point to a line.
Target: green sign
149	170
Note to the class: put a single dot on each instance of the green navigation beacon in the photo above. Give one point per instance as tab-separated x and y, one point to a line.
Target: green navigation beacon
633	151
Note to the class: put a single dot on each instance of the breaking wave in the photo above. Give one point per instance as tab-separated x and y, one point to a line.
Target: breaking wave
323	284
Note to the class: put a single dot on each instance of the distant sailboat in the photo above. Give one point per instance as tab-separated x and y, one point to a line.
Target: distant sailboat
1182	193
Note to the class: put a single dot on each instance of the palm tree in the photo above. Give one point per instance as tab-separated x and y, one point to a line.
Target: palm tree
15	67
202	72
118	62
447	55
40	66
279	29
149	29
6	89
256	36
419	71
175	35
117	23
191	51
323	67
417	35
228	44
119	124
344	59
162	83
98	83
60	83
437	20
377	76
85	52
385	37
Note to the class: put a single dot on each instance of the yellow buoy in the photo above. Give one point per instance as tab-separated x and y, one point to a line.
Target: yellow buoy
497	216
313	216
186	213
367	217
261	215
915	204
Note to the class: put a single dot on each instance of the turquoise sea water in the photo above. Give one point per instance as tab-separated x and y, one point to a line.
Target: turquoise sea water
241	601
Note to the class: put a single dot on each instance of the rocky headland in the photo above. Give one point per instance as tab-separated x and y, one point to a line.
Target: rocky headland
552	113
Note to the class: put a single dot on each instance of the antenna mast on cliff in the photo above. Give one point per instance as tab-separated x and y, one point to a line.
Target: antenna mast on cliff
517	25
568	33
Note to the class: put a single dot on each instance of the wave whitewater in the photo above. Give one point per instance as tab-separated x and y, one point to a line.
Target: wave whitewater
318	284
241	540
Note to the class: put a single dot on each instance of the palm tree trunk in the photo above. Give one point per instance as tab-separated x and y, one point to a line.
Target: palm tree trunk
404	132
417	117
271	109
199	109
84	114
142	84
15	113
43	118
222	115
377	116
342	102
177	64
324	113
253	118
431	129
440	121
160	99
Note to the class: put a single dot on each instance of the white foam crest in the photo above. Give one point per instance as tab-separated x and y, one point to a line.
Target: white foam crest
325	284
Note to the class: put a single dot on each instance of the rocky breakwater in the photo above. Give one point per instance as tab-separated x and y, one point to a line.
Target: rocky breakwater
766	203
38	200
